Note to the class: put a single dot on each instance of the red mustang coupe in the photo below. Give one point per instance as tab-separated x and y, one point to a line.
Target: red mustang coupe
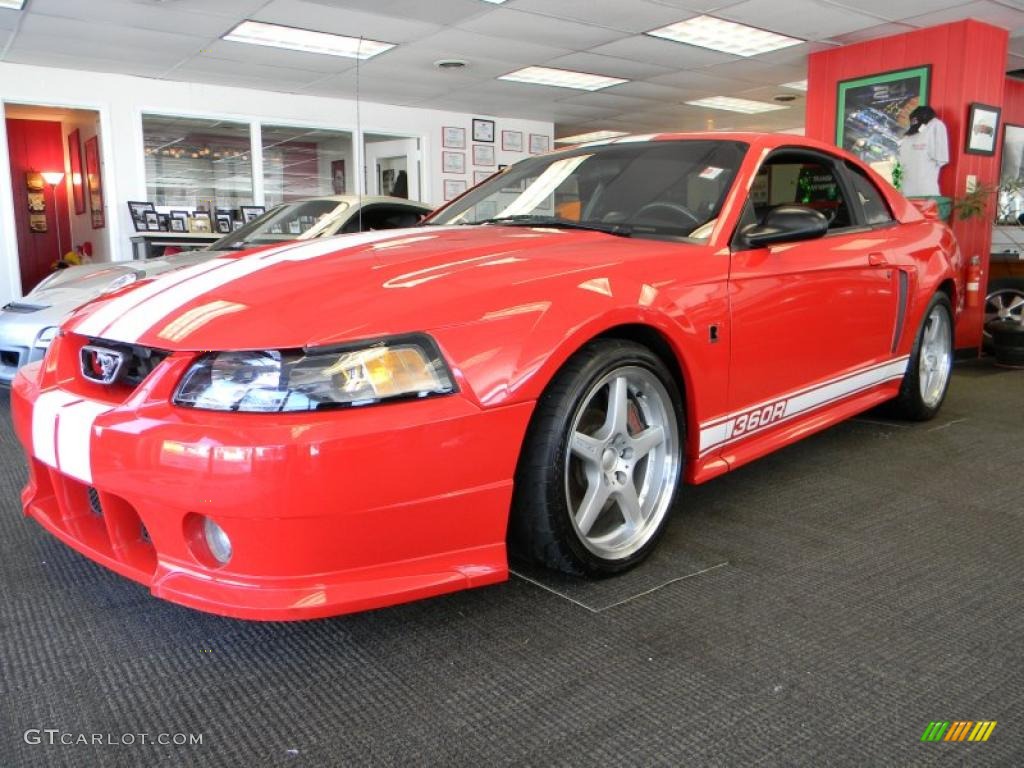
349	423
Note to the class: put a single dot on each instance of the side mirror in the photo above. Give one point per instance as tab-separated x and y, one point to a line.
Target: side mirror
785	224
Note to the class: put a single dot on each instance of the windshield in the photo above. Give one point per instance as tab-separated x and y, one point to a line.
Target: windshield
292	221
654	188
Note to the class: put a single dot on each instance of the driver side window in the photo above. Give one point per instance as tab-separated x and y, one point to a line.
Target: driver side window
791	179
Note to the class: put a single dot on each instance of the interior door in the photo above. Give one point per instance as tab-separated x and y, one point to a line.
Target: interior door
807	313
392	168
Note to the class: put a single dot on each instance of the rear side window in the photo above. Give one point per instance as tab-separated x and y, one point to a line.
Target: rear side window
872	202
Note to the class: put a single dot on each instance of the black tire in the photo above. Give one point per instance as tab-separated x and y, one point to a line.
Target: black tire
541	527
910	404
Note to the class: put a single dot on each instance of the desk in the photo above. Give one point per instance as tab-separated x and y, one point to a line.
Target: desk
149	245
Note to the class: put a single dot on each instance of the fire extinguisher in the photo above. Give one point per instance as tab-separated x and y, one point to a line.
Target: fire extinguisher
974	282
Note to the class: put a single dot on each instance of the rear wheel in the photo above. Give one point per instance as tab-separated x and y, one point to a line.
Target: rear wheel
931	364
600	463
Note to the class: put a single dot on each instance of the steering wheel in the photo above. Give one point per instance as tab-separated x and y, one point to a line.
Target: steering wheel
666	205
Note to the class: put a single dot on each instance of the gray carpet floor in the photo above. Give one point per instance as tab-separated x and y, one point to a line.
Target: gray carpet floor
819	607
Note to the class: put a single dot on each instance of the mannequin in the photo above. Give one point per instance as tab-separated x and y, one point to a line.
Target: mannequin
923	152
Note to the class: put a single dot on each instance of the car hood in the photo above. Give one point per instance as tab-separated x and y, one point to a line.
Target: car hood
352	287
76	285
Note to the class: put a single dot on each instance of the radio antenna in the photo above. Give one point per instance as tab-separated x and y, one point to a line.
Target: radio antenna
361	180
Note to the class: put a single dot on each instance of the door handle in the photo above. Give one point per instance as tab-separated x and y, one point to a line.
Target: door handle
877	259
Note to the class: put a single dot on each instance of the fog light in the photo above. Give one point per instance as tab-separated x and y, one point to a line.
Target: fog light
217	541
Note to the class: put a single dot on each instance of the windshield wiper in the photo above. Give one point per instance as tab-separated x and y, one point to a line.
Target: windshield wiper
530	220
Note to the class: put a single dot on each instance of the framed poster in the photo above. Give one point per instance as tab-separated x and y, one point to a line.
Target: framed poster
95	182
453	138
453	188
75	157
539	143
483	154
483	130
338	177
873	114
982	129
512	141
453	162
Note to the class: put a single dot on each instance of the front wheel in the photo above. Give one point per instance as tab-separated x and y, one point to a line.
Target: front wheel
931	364
600	463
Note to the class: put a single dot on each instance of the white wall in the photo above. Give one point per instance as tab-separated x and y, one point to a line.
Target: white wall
121	100
81	223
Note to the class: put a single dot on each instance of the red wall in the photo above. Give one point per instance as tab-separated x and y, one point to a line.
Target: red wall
968	60
37	145
1013	102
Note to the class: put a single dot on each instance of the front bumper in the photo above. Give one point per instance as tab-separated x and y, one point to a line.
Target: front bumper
328	513
19	337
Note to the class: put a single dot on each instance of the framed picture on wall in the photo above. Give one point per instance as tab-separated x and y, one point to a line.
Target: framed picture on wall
982	129
252	212
453	162
338	177
512	141
483	130
75	158
453	138
94	182
483	154
873	114
479	176
539	143
453	188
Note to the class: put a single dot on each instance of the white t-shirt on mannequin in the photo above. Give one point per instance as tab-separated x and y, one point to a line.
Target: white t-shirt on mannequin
922	156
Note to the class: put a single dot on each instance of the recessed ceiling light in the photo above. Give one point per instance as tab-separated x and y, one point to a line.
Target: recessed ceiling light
295	39
729	104
796	85
562	78
580	138
784	98
450	63
724	36
13	5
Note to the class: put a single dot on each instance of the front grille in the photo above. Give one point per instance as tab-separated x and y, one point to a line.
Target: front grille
10	358
94	502
139	361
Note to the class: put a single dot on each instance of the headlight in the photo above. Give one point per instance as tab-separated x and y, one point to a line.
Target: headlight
46	336
278	381
121	281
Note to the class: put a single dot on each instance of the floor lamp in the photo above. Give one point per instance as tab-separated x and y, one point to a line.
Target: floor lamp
53	178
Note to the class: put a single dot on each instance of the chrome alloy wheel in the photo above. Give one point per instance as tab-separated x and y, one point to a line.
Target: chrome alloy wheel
1004	304
935	356
622	462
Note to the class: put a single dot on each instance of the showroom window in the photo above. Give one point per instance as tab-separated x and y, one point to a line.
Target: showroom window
197	163
305	162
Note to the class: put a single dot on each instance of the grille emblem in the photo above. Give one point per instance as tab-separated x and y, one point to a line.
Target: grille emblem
100	364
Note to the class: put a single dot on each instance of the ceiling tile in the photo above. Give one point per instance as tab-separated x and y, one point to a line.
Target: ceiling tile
652	92
9	19
805	19
634	16
343	21
983	10
461	44
133	15
509	23
893	11
874	33
607	98
105	40
275	76
277	57
613	66
90	62
761	72
700	80
664	53
228	8
444	12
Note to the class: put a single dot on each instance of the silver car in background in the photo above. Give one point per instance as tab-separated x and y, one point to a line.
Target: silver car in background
28	325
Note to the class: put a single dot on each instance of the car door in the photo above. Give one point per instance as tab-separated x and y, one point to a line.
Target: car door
806	315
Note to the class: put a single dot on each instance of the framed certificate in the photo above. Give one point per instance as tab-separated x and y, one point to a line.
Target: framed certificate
453	162
483	130
453	138
483	154
453	188
512	141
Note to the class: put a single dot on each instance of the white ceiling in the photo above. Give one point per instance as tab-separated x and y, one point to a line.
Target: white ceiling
180	40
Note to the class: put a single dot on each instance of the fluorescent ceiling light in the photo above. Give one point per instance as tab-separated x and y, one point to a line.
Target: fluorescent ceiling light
294	39
580	138
796	85
496	2
724	36
562	78
14	5
729	104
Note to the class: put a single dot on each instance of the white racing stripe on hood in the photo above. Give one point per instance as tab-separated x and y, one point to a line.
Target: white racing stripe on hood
97	322
142	316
